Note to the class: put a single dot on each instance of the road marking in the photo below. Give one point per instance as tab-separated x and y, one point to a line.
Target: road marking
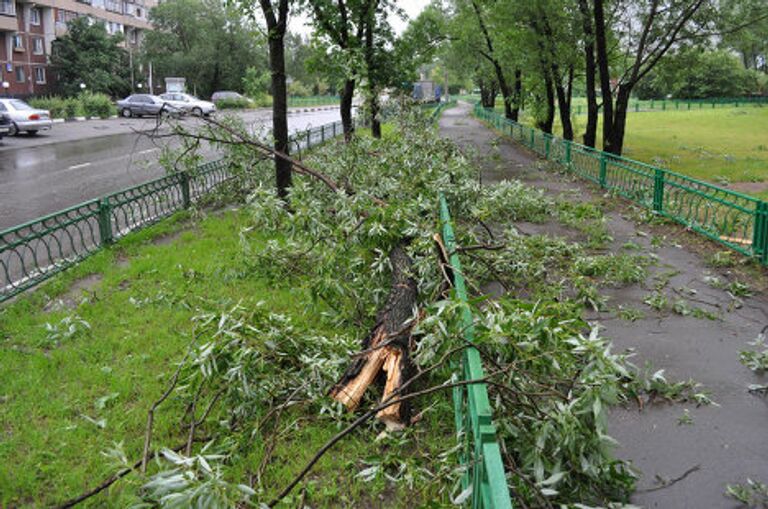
78	166
148	151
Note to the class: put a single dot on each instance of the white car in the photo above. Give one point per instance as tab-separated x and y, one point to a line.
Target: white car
189	103
24	117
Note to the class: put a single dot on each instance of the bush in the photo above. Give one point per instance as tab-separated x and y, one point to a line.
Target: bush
55	105
72	108
233	104
97	105
85	105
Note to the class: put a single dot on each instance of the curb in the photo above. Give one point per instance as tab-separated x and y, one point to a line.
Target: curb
81	119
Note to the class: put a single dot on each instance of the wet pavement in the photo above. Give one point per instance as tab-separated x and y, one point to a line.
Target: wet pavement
680	464
78	161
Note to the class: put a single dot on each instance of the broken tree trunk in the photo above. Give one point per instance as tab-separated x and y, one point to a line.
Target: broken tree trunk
385	352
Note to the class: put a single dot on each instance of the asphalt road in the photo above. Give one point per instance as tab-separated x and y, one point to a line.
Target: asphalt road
75	162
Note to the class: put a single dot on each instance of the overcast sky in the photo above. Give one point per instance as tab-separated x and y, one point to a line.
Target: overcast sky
411	7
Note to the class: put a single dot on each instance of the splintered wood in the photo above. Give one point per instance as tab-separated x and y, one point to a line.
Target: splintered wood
385	352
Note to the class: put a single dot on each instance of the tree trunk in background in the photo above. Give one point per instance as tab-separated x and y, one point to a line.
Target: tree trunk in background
563	103
546	123
605	75
518	94
590	134
276	26
487	94
347	94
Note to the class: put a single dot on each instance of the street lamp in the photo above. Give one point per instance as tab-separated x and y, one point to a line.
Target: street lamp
139	86
82	87
6	86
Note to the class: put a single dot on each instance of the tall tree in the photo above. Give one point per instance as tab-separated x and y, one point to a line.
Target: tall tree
590	70
88	54
342	22
210	44
647	30
276	16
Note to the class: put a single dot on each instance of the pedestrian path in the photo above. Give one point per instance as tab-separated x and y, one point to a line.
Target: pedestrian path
721	444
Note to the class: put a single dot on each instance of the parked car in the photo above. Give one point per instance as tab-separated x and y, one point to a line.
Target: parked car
189	103
227	95
5	125
24	117
138	105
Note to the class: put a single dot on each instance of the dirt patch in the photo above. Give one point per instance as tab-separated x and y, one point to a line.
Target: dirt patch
164	240
74	296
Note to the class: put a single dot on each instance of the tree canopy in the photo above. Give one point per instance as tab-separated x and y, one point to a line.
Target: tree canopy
88	54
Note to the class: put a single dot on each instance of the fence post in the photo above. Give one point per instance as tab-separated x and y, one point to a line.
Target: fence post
334	129
658	191
546	147
533	137
105	222
322	133
184	181
663	105
567	152
603	170
760	233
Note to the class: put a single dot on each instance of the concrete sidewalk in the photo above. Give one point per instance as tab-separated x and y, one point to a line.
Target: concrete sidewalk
729	442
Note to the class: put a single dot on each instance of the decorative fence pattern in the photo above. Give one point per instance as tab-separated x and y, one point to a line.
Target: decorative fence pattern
34	251
481	454
735	220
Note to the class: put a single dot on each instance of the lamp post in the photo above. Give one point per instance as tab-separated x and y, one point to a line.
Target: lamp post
82	87
6	86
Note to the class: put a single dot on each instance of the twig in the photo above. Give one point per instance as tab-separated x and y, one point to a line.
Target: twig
113	479
667	483
151	413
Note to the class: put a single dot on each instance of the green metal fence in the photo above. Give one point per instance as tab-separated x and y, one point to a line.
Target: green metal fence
481	454
34	251
733	219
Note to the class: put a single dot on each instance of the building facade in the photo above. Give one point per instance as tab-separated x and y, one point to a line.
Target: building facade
28	28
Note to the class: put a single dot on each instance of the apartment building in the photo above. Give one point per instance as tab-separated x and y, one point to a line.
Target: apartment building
27	29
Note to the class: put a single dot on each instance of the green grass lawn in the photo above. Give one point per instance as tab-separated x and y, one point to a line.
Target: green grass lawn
727	146
65	398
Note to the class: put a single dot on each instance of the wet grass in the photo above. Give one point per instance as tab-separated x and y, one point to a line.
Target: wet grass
726	146
81	367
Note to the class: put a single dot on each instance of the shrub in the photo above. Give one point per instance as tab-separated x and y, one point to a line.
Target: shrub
55	105
97	105
72	108
233	104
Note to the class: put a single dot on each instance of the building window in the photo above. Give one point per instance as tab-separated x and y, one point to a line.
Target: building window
37	46
34	16
134	36
8	7
40	75
20	74
18	43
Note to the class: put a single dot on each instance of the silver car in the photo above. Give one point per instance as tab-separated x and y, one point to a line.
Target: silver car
24	117
189	103
138	105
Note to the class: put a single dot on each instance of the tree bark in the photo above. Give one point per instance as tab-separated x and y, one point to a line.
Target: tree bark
563	103
347	94
590	68
604	71
518	95
276	26
386	351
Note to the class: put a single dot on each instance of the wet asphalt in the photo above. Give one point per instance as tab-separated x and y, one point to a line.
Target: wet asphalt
79	161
